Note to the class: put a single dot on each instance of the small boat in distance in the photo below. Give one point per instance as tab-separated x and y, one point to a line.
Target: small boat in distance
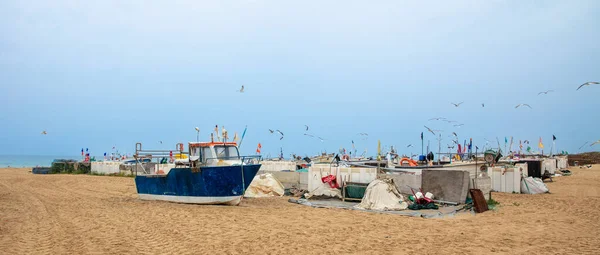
210	173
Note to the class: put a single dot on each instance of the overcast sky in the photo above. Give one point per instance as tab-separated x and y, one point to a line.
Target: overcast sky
99	74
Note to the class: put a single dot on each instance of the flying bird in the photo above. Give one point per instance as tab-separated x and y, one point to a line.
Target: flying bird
482	105
281	133
363	134
454	133
309	135
451	121
242	89
306	127
160	142
321	139
429	129
459	125
44	132
587	84
594	143
438	118
519	105
271	130
545	92
457	105
410	145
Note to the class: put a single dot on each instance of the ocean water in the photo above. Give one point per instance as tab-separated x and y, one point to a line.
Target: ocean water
30	160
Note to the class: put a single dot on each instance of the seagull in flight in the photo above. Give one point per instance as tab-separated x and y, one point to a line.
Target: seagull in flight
306	127
44	132
457	105
459	125
454	133
281	133
587	84
545	92
438	118
482	105
309	135
429	129
410	145
363	134
519	105
160	142
242	89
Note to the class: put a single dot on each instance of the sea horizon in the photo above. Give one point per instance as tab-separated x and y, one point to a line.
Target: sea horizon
32	160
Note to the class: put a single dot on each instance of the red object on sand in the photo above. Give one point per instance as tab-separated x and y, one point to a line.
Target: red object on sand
331	180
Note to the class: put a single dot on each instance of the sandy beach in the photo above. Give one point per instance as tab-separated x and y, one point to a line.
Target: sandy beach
82	214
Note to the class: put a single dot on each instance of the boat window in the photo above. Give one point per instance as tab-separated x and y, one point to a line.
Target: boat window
207	153
226	152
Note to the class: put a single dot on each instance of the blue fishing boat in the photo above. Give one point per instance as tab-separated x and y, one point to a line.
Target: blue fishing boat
209	173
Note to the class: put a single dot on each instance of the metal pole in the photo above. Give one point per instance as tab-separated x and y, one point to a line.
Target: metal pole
475	163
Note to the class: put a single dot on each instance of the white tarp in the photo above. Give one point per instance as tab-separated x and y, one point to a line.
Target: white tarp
530	185
324	190
562	163
382	195
265	185
549	165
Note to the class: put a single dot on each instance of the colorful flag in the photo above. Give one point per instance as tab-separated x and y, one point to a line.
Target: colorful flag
258	148
81	151
235	137
354	148
528	148
520	145
540	144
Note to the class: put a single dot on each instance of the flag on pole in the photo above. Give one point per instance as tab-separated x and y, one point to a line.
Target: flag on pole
421	136
511	143
540	144
553	138
258	148
235	137
520	145
378	148
505	140
81	151
353	148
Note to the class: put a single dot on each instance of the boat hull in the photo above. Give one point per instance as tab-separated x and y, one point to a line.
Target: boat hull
208	185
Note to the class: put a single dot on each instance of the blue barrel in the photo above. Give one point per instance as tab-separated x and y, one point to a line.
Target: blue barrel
422	157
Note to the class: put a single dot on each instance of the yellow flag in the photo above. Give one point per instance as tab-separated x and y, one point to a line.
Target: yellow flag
235	137
378	147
